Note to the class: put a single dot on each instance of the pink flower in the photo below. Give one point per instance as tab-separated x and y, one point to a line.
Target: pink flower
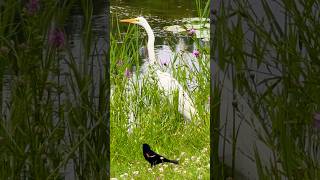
196	53
128	73
23	46
56	38
191	32
4	50
32	6
316	120
119	62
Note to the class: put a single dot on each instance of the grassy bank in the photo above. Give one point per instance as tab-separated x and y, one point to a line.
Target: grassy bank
158	121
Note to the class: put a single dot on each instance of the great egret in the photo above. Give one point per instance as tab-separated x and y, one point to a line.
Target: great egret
165	81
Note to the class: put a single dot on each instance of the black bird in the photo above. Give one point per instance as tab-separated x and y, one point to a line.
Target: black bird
153	157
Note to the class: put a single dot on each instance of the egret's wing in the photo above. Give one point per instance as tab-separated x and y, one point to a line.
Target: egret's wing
170	84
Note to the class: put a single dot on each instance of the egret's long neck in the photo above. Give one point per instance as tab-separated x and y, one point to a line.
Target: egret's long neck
150	46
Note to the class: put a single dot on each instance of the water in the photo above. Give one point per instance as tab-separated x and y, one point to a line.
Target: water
157	13
165	11
74	28
247	121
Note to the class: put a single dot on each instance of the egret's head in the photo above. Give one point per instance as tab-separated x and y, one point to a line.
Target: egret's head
139	20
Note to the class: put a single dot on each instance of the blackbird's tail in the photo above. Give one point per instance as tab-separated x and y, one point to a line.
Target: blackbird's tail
174	161
171	161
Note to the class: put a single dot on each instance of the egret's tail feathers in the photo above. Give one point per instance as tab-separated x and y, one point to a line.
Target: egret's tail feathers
186	106
130	123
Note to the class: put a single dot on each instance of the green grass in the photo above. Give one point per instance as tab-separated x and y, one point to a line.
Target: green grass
158	121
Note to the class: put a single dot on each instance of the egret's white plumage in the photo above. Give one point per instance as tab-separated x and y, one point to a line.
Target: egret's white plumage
165	81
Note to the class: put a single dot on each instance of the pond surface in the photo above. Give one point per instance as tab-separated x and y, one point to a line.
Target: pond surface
159	13
170	9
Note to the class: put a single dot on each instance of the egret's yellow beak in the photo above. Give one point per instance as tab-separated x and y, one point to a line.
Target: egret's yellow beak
134	20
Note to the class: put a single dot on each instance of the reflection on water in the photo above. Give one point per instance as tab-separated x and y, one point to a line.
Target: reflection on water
168	9
75	28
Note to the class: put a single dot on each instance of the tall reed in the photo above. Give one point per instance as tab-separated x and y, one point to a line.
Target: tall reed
271	49
54	119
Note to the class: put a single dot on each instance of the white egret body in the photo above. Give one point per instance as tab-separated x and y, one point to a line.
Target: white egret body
165	81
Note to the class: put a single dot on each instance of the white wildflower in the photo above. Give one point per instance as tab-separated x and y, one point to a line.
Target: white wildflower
186	161
135	173
124	175
204	150
175	169
193	158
